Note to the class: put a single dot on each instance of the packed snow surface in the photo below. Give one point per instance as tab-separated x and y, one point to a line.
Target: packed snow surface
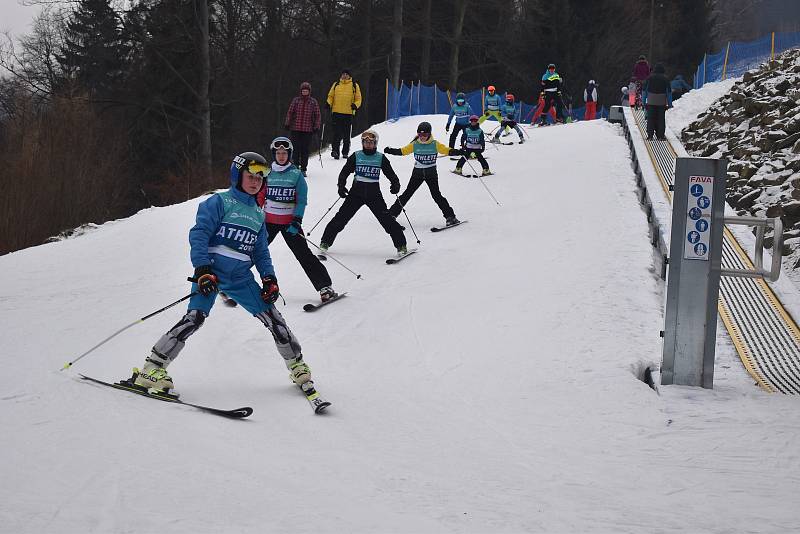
488	383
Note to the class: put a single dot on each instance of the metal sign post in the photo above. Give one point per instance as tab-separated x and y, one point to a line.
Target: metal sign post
698	208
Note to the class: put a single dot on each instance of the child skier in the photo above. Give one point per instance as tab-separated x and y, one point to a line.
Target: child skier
492	102
283	201
461	110
551	87
367	165
509	111
473	143
228	238
425	148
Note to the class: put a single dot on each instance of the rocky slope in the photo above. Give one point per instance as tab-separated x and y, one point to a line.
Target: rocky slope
756	126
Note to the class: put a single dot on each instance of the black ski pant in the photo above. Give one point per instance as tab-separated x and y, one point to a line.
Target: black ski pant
418	177
478	155
301	141
656	123
551	98
314	269
341	132
360	194
457	128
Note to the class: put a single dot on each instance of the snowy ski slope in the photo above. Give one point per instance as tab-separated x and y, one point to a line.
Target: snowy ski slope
486	384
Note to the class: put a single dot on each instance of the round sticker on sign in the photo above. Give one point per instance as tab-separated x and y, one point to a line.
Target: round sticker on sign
700	249
693	237
701	225
695	213
703	202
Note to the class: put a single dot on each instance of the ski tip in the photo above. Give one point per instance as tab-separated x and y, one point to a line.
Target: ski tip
240	413
309	307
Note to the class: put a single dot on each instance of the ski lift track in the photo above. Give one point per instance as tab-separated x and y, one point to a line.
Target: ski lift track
765	336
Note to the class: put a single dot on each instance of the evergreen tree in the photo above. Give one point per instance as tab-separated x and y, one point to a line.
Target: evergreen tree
94	52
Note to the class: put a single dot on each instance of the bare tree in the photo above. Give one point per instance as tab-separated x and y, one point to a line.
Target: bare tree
455	47
397	41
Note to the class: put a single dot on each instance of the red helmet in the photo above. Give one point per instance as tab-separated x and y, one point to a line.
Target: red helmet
491	89
509	97
473	118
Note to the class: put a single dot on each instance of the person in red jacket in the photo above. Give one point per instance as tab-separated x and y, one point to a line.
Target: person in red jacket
302	121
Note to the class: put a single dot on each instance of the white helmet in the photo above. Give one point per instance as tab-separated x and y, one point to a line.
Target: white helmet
370	134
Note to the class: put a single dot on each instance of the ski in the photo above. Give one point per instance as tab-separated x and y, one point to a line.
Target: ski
127	385
314	307
472	175
440	228
318	404
392	261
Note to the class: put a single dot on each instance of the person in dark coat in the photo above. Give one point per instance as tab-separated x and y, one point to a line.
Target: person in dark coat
657	97
640	73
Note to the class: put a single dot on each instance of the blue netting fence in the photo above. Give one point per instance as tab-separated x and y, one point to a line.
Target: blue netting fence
737	57
419	99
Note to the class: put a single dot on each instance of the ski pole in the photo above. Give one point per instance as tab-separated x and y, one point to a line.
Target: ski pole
328	255
324	215
115	334
321	137
484	183
409	220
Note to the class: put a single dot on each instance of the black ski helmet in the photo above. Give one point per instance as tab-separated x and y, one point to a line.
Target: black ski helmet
424	127
246	160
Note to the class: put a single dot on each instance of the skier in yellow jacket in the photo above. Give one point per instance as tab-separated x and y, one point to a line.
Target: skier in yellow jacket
344	99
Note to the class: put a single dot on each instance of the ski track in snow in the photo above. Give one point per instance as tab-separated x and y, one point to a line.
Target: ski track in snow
485	385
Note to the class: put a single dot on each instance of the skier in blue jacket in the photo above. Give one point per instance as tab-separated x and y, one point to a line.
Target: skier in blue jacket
228	238
462	111
509	111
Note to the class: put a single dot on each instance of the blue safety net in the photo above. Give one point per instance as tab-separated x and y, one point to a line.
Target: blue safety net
742	57
419	99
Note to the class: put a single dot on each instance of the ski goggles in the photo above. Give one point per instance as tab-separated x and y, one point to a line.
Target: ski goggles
257	169
281	143
368	137
424	133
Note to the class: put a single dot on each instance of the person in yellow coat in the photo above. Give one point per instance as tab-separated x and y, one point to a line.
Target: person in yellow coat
344	99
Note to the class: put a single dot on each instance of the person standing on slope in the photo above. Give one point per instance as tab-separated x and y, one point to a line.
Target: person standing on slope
367	165
462	111
551	88
657	97
590	97
492	102
303	120
473	143
344	99
228	238
425	149
509	111
283	201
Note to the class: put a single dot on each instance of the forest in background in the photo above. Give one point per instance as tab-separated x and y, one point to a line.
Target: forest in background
108	107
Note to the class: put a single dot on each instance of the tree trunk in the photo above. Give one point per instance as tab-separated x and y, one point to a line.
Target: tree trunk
397	41
425	67
204	103
366	50
455	48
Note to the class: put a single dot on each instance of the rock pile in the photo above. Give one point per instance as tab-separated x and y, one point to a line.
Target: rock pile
757	128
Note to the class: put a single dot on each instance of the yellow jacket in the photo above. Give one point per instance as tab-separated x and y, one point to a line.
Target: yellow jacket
342	94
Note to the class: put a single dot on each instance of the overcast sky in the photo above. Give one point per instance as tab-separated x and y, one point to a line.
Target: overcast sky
16	18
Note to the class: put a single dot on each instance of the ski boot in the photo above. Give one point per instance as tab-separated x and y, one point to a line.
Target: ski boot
327	293
450	221
323	247
154	378
458	171
298	371
486	172
402	251
521	141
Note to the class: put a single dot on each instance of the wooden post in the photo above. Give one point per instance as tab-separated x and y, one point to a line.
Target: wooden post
725	65
386	103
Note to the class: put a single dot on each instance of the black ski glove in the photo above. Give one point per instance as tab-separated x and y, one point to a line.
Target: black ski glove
206	280
392	151
394	188
270	291
342	191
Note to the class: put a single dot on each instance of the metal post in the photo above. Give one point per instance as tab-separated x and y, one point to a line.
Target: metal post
695	263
